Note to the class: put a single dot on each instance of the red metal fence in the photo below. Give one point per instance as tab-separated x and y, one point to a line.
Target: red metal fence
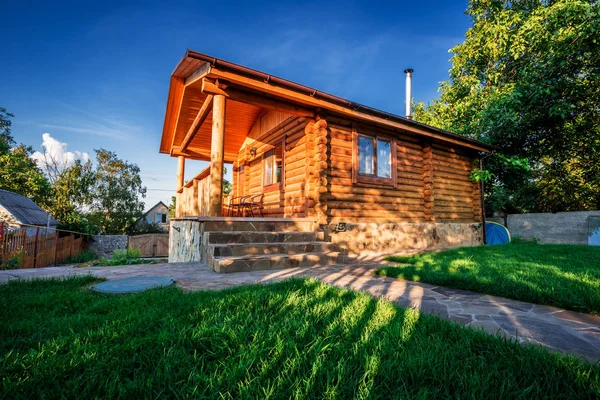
36	247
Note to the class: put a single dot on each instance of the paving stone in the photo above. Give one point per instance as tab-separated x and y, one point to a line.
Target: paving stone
578	317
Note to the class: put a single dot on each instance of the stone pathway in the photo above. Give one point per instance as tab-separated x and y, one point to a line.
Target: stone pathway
555	328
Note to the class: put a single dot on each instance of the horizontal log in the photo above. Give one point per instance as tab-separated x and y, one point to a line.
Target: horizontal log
402	191
373	206
374	199
373	214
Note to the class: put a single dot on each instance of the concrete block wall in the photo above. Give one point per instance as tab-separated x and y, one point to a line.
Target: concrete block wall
551	228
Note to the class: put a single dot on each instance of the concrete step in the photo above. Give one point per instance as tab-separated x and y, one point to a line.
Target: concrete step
236	237
259	225
256	249
225	265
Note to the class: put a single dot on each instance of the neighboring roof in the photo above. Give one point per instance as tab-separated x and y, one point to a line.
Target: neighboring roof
152	208
195	65
24	209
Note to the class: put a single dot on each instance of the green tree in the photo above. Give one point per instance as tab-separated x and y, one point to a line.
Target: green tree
18	172
526	79
73	197
116	193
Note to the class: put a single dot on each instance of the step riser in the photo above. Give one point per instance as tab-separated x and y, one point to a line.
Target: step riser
275	262
265	249
240	226
264	237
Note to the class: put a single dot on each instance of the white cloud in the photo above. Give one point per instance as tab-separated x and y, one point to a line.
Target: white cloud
56	154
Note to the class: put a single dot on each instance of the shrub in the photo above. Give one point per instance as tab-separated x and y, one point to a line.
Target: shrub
82	257
123	257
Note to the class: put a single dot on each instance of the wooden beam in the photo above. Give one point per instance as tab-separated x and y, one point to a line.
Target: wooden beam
213	88
198	74
260	100
311	101
216	157
180	171
198	121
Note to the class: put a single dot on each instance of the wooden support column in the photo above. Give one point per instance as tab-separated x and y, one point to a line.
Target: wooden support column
217	157
179	186
180	171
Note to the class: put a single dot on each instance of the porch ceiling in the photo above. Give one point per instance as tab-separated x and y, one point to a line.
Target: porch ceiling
239	118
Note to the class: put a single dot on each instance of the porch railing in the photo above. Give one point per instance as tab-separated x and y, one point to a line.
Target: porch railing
193	198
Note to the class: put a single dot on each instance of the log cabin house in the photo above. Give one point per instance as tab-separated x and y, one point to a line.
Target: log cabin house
316	178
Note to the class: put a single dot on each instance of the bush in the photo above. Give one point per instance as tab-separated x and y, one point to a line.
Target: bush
12	263
145	228
123	257
82	257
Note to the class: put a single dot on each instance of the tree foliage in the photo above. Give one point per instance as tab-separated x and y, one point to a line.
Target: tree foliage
18	172
527	80
116	193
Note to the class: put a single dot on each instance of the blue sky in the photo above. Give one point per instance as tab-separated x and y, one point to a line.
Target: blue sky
96	75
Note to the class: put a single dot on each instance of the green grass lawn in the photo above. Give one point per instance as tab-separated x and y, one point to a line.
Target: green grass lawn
559	275
294	339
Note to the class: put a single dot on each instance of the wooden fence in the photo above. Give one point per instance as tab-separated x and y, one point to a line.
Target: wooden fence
151	245
36	247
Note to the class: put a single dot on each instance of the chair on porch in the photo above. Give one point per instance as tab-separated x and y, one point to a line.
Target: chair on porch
236	206
251	202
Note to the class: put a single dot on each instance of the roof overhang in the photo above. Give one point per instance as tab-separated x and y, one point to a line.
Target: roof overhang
253	92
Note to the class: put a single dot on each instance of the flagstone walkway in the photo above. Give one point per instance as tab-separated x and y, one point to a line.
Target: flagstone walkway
555	328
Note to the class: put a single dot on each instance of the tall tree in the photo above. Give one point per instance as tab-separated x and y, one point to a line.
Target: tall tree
116	193
527	80
18	172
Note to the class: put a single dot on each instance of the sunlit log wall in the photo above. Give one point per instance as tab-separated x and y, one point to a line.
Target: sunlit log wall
434	204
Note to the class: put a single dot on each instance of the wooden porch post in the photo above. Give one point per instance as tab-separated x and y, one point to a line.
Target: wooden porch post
180	171
179	185
216	157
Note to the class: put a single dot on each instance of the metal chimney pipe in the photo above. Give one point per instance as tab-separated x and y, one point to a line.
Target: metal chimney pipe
408	99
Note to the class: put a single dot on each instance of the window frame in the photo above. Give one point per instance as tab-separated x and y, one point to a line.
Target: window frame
277	185
368	179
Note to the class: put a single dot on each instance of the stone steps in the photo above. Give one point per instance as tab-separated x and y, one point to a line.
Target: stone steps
275	261
237	237
259	225
257	249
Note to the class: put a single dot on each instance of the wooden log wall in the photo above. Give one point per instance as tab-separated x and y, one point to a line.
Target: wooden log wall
272	129
456	195
369	202
433	183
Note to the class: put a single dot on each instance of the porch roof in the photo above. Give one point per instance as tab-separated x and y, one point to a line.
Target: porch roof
254	92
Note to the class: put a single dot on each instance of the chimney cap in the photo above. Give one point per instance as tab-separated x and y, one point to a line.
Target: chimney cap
409	71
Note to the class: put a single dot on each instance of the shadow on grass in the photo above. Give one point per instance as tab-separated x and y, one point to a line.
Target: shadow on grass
293	339
556	275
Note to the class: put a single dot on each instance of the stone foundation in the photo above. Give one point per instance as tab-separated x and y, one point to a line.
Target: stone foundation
401	237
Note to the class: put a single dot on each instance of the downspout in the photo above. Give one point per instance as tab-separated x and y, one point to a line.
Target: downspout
481	197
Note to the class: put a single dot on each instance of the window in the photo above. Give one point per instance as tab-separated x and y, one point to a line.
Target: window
160	218
273	167
375	160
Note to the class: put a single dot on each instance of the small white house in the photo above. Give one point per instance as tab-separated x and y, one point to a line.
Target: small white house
157	214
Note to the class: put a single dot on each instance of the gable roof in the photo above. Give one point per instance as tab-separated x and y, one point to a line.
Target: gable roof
24	209
152	208
186	96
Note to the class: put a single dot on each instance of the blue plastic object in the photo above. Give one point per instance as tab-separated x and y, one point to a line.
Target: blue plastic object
133	285
496	233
